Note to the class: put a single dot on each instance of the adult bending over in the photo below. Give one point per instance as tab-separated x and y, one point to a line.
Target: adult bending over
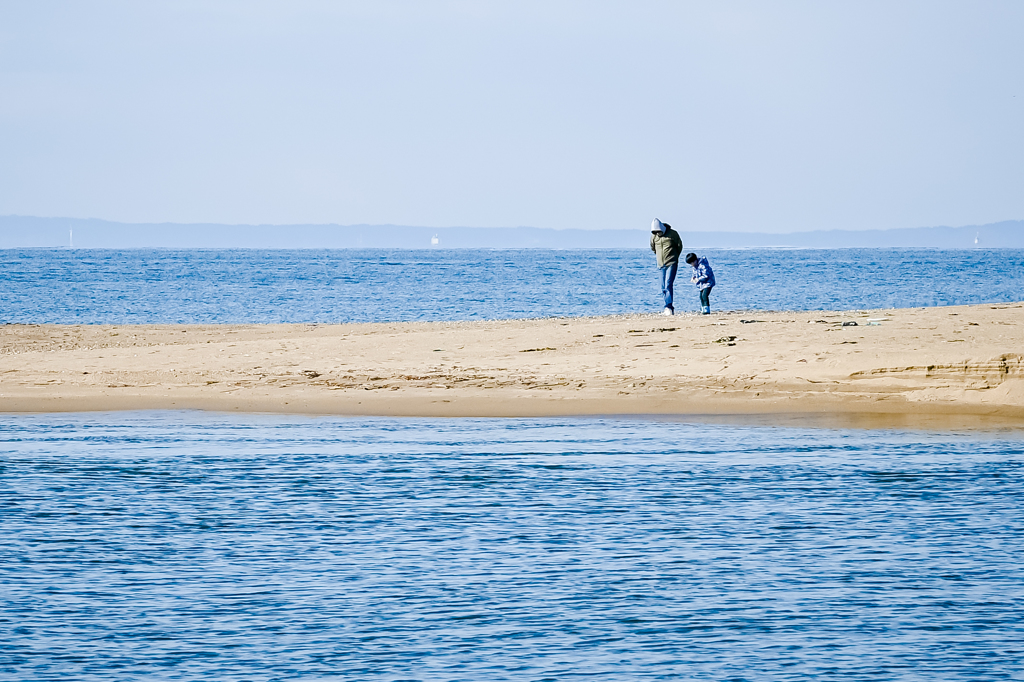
667	245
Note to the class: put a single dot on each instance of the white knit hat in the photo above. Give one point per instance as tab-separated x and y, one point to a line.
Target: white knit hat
657	226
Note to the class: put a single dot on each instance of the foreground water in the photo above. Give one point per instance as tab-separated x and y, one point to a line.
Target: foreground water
187	546
196	286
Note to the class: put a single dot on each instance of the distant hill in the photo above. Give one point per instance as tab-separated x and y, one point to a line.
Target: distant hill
22	231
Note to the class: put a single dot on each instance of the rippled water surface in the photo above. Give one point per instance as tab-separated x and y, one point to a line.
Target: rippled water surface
189	546
167	286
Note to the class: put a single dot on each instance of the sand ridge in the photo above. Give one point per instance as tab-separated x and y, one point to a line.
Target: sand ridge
950	360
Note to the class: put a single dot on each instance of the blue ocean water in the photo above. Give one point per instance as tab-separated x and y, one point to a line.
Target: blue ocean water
196	286
188	546
173	546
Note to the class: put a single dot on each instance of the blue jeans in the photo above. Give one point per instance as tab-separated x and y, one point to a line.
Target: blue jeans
668	277
705	297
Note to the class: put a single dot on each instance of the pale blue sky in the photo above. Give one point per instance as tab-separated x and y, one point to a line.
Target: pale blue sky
759	116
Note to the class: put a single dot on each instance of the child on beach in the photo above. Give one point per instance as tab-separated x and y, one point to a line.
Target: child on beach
704	278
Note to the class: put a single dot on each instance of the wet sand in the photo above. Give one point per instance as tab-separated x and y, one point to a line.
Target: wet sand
934	365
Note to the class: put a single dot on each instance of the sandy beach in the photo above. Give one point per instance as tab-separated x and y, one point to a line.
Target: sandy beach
941	363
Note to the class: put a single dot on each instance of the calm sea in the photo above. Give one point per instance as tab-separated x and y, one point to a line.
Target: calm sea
174	546
166	286
187	546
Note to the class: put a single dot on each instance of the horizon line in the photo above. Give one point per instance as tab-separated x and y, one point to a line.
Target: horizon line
510	227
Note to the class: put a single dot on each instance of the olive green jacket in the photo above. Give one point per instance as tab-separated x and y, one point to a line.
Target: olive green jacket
667	246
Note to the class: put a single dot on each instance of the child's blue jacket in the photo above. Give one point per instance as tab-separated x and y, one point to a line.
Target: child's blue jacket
703	276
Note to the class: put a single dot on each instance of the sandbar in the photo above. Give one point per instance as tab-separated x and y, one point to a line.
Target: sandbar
942	363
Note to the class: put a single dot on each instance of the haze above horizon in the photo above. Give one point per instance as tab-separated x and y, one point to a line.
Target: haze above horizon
17	232
738	117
